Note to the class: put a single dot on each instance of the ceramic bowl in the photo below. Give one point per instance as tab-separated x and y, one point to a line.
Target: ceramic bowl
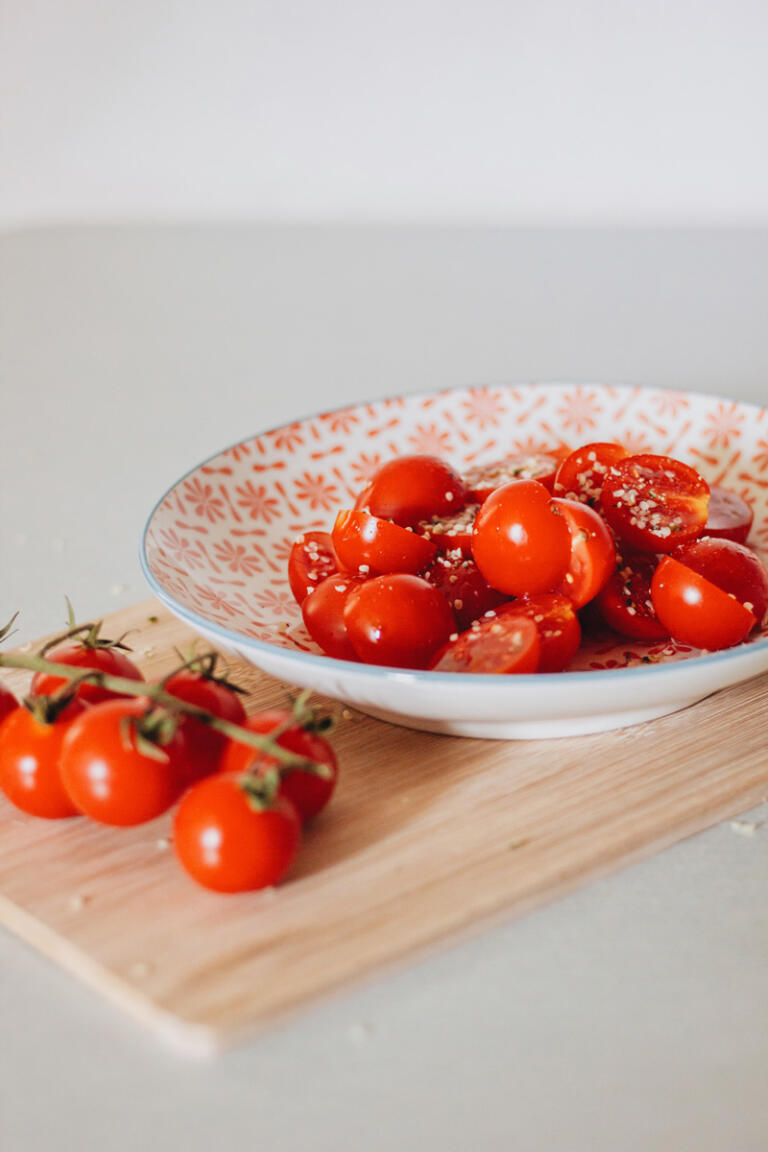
216	546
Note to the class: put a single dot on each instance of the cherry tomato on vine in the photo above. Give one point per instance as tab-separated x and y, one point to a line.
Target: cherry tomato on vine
593	552
30	752
582	474
311	560
107	774
323	615
655	503
8	702
558	625
106	659
502	645
369	546
484	479
729	517
625	602
228	842
308	791
522	543
398	620
465	588
409	489
204	744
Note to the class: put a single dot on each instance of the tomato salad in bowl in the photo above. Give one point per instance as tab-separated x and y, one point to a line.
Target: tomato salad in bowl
472	561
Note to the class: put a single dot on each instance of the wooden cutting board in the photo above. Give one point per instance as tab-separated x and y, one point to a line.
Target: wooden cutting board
427	837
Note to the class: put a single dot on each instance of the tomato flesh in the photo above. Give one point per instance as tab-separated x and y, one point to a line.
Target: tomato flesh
323	615
582	474
730	517
397	620
484	479
413	488
29	765
593	552
522	543
311	560
625	603
453	532
204	745
559	629
497	645
695	611
655	503
369	546
463	585
226	844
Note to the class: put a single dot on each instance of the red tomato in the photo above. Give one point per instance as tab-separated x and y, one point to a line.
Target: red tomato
204	744
8	702
311	560
113	661
369	546
732	567
581	475
500	645
593	553
729	517
484	479
696	611
464	587
227	842
30	752
625	603
412	488
106	774
655	503
522	543
453	532
398	620
559	630
306	790
323	615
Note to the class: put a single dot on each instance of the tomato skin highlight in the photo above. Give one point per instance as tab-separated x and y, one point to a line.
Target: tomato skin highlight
655	503
557	623
729	518
323	616
413	488
730	566
503	645
369	546
110	660
311	560
696	611
225	844
522	544
204	745
114	783
308	792
593	553
625	602
398	621
29	765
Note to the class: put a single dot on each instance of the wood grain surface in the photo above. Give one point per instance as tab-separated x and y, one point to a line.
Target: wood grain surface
427	837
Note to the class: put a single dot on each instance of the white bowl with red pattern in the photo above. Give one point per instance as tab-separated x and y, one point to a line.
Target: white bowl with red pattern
216	546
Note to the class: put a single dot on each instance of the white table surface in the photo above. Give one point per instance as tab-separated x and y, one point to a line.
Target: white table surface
632	1015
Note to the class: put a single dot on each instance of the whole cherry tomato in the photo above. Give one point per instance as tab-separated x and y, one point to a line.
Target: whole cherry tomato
311	560
30	752
484	479
522	542
369	546
729	517
412	488
323	615
559	629
625	602
8	702
308	791
465	588
499	645
695	611
582	474
655	503
398	620
593	552
732	567
204	744
104	658
120	767
229	841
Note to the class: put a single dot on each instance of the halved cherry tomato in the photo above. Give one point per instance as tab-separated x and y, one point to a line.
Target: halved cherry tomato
107	775
625	603
308	791
323	615
465	588
452	532
228	843
522	542
205	745
107	659
559	630
8	702
582	474
696	611
500	645
398	620
484	479
732	567
311	560
412	488
655	503
30	752
593	552
729	517
369	546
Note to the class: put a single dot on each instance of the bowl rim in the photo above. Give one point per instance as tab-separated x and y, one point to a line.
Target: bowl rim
471	680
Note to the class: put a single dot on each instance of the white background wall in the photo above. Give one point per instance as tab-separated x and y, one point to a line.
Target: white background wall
529	111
